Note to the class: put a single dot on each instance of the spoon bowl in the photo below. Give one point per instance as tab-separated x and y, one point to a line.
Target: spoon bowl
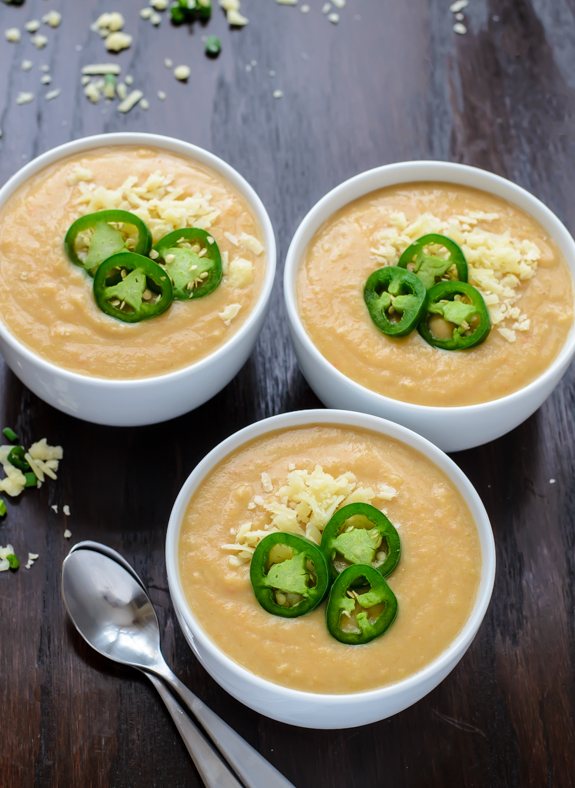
110	609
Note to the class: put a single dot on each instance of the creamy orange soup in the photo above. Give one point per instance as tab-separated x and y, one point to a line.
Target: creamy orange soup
436	581
48	303
523	278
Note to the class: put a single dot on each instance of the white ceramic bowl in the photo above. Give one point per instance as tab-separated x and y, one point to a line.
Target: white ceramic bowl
148	400
306	709
451	428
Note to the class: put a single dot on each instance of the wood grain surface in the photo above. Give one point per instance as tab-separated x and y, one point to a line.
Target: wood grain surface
390	82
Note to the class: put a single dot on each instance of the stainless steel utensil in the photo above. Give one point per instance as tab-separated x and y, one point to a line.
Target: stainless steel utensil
111	610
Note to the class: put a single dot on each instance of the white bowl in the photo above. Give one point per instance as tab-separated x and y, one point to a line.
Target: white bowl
306	709
129	403
451	428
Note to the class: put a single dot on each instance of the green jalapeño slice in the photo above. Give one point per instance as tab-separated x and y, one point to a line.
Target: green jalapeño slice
455	318
131	288
395	298
97	236
358	616
192	259
289	575
431	268
346	540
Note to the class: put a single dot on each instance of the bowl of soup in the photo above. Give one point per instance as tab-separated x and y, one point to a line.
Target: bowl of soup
172	322
283	481
519	261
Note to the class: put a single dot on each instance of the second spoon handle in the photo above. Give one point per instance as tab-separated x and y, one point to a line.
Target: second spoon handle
248	764
213	771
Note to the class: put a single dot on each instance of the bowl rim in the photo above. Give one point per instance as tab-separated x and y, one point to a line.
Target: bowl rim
454	650
186	149
407	172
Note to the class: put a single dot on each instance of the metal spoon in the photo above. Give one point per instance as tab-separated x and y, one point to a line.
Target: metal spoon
212	769
113	613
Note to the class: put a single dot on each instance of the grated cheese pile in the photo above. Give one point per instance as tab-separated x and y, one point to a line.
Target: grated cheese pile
160	205
498	263
302	506
42	458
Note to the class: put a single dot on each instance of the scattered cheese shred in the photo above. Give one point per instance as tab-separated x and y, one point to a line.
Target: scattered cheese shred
115	42
13	35
251	244
229	313
267	482
232	9
240	272
52	18
498	263
79	174
302	506
24	97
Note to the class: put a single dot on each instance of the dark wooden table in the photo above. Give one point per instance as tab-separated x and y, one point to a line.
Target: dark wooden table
391	81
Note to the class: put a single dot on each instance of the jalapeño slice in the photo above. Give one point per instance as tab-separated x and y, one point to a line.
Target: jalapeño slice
105	239
192	259
346	541
465	322
430	268
377	606
395	298
289	575
17	458
131	287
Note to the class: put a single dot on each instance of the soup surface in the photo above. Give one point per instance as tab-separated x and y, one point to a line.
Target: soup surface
47	302
435	582
512	261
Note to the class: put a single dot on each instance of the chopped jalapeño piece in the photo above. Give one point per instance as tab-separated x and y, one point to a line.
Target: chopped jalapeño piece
31	480
430	268
455	317
377	606
213	46
10	434
131	288
13	561
192	259
347	541
17	458
289	575
395	299
103	239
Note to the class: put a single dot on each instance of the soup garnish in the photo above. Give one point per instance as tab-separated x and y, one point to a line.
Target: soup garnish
131	287
377	606
395	298
460	306
289	575
192	259
461	318
432	268
346	540
104	238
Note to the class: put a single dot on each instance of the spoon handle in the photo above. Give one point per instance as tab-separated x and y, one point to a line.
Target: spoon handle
252	767
212	769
